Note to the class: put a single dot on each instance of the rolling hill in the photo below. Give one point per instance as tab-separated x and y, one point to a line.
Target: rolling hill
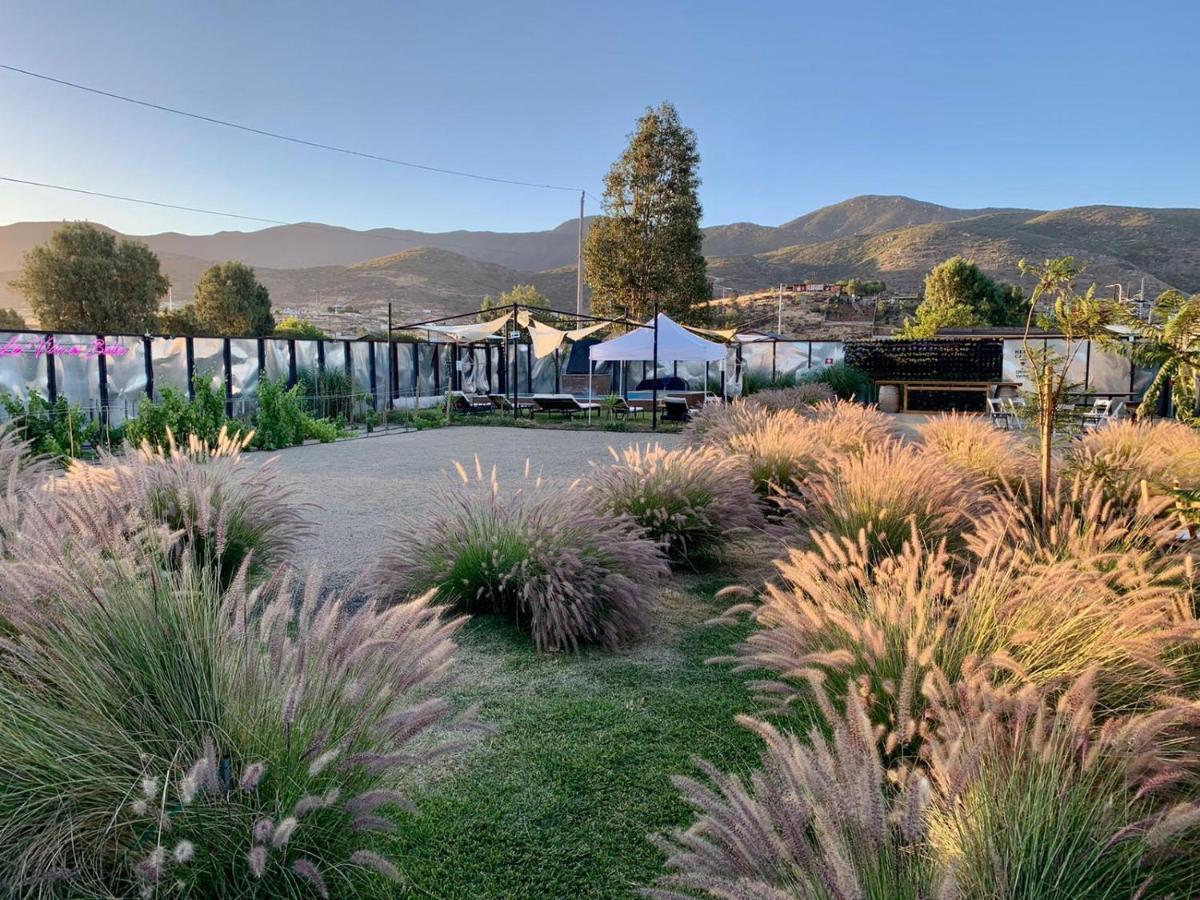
308	265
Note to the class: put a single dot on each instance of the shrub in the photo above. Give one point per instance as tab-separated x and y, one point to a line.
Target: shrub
817	821
1031	795
21	473
329	393
755	380
280	420
885	493
694	502
971	445
568	573
800	397
57	430
846	381
780	450
225	511
175	415
161	736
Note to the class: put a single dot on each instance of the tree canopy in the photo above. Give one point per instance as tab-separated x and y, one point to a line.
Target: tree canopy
180	321
296	327
230	302
84	279
958	294
520	294
11	319
647	244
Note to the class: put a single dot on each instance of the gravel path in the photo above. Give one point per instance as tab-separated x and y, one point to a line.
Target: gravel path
361	485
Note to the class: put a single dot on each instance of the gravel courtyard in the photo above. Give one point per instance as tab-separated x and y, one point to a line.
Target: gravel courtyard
357	487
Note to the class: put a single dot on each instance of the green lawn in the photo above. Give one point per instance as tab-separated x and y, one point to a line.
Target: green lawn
559	799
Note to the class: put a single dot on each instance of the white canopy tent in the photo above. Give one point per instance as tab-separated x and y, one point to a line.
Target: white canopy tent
662	340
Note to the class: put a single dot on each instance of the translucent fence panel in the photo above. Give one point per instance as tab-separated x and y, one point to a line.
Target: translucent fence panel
276	358
756	357
1012	367
425	386
544	375
306	358
1108	371
360	366
792	357
243	353
827	353
76	371
209	356
22	371
692	372
126	378
1077	371
481	377
170	364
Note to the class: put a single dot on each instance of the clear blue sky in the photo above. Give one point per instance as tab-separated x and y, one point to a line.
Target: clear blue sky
796	104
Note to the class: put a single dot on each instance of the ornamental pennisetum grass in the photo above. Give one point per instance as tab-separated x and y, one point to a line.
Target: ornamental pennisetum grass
223	508
161	735
972	445
697	503
885	491
569	573
21	474
799	397
1033	797
851	428
819	820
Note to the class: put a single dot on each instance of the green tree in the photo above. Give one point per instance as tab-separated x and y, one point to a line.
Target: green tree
84	279
1078	318
647	244
959	295
520	294
12	320
296	327
1171	341
230	302
180	321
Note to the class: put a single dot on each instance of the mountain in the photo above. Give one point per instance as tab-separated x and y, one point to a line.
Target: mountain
309	266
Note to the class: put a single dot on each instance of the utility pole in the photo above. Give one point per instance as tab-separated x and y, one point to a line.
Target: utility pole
579	266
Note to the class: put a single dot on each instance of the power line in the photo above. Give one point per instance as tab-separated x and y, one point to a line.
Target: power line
280	137
467	251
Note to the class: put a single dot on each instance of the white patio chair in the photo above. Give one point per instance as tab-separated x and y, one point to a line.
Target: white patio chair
1001	418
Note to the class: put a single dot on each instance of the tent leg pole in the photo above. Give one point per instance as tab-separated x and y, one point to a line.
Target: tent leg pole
591	369
654	374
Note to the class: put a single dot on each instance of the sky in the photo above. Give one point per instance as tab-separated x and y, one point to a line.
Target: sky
795	105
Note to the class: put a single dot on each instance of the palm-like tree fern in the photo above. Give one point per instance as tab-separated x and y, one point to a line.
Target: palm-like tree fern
1171	341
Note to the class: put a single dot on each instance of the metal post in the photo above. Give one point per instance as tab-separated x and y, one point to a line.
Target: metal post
148	361
654	383
515	370
374	377
293	377
189	347
102	377
51	375
227	357
579	266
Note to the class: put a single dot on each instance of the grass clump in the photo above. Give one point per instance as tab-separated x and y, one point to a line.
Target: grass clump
799	397
819	820
694	502
570	574
162	735
847	382
887	491
224	511
973	446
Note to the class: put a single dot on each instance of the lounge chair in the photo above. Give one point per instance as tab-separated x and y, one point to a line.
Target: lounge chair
675	409
471	404
623	408
504	403
1001	417
564	404
1103	413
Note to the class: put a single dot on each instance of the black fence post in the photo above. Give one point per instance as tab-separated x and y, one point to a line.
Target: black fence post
348	355
437	369
189	347
148	362
292	376
372	376
102	378
227	354
320	357
416	378
262	357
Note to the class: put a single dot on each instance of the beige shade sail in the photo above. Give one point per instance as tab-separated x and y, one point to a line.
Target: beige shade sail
466	334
